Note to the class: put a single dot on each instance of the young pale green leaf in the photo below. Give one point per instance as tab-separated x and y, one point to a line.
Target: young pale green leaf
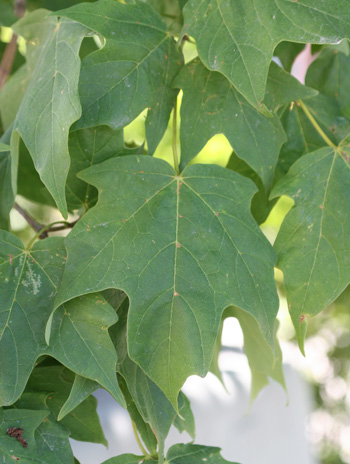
28	287
238	38
183	248
151	403
37	29
210	106
133	71
312	246
29	421
195	454
86	148
79	339
50	106
214	366
82	388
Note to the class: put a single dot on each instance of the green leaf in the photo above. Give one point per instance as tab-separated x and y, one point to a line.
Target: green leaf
4	147
302	138
185	423
287	52
125	459
29	282
264	362
195	454
151	403
88	147
7	14
260	204
212	106
50	106
329	74
37	29
81	389
214	366
29	183
238	38
79	339
56	382
28	288
8	180
312	246
187	247
133	71
11	448
143	428
53	444
282	88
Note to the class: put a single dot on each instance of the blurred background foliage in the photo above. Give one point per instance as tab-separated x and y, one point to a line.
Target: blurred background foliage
327	362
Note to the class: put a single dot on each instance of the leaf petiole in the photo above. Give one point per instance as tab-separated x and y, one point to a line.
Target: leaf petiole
174	145
315	124
144	452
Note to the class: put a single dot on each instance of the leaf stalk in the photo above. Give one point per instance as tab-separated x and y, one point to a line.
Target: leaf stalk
316	125
144	452
175	153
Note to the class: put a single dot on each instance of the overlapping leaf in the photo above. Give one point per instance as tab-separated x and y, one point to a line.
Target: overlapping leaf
178	454
312	244
212	106
133	71
51	386
88	147
29	282
183	248
79	339
28	288
237	38
30	420
82	388
264	362
8	180
151	403
50	106
36	28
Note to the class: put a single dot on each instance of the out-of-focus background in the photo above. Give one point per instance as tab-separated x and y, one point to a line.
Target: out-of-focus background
308	425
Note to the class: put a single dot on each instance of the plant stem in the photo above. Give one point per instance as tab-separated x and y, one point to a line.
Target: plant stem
31	221
175	154
144	452
316	125
11	48
44	231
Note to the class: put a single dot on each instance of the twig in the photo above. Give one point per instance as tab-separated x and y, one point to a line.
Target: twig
37	227
11	48
31	221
